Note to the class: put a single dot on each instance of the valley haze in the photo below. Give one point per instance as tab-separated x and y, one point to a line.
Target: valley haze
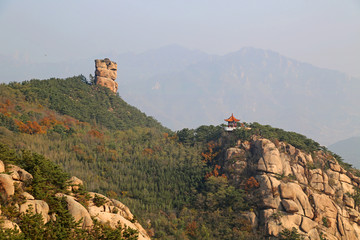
185	88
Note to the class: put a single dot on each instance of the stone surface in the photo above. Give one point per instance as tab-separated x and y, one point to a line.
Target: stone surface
18	173
324	206
328	190
347	188
270	161
2	167
7	224
115	219
313	201
314	234
125	211
345	178
335	167
36	206
299	173
290	149
289	205
290	221
27	196
349	201
316	179
251	218
270	202
106	73
7	188
75	183
114	212
106	82
307	224
77	210
287	191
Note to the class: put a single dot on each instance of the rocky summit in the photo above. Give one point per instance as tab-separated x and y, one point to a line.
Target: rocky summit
106	73
309	194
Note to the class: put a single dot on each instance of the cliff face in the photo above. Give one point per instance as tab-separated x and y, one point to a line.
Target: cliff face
106	73
84	207
290	189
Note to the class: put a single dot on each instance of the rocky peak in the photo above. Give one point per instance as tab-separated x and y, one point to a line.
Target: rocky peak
312	193
106	73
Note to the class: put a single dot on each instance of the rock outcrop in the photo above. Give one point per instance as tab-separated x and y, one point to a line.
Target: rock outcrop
14	180
312	193
106	73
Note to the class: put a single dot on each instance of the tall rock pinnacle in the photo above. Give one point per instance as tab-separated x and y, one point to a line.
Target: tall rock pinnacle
106	73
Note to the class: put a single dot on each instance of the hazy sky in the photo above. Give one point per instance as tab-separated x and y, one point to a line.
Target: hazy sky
325	33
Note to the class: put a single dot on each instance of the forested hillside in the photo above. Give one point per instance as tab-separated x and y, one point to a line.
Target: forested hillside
93	134
174	182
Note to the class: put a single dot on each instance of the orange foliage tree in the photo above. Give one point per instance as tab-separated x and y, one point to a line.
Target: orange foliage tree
215	172
209	154
96	134
30	127
148	151
251	183
191	228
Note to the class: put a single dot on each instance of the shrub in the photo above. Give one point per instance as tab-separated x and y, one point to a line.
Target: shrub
325	222
292	234
98	200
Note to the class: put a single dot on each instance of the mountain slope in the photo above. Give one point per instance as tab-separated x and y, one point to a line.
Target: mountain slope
73	97
119	151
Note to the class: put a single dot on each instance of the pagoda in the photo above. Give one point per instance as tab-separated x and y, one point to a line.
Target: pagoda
232	123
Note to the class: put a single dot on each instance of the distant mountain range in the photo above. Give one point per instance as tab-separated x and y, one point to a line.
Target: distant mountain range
187	88
348	149
184	88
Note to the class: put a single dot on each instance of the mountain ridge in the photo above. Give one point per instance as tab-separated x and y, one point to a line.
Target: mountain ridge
282	91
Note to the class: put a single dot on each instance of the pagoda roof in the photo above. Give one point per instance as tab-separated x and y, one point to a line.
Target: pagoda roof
232	119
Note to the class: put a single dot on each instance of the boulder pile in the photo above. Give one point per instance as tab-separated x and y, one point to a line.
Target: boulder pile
112	212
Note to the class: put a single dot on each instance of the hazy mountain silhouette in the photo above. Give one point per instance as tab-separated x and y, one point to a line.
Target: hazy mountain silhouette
256	85
187	88
349	150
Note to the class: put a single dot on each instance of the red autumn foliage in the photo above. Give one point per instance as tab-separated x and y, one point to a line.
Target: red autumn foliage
4	108
251	183
78	150
215	173
50	121
191	229
96	134
209	155
100	149
71	122
148	151
30	127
